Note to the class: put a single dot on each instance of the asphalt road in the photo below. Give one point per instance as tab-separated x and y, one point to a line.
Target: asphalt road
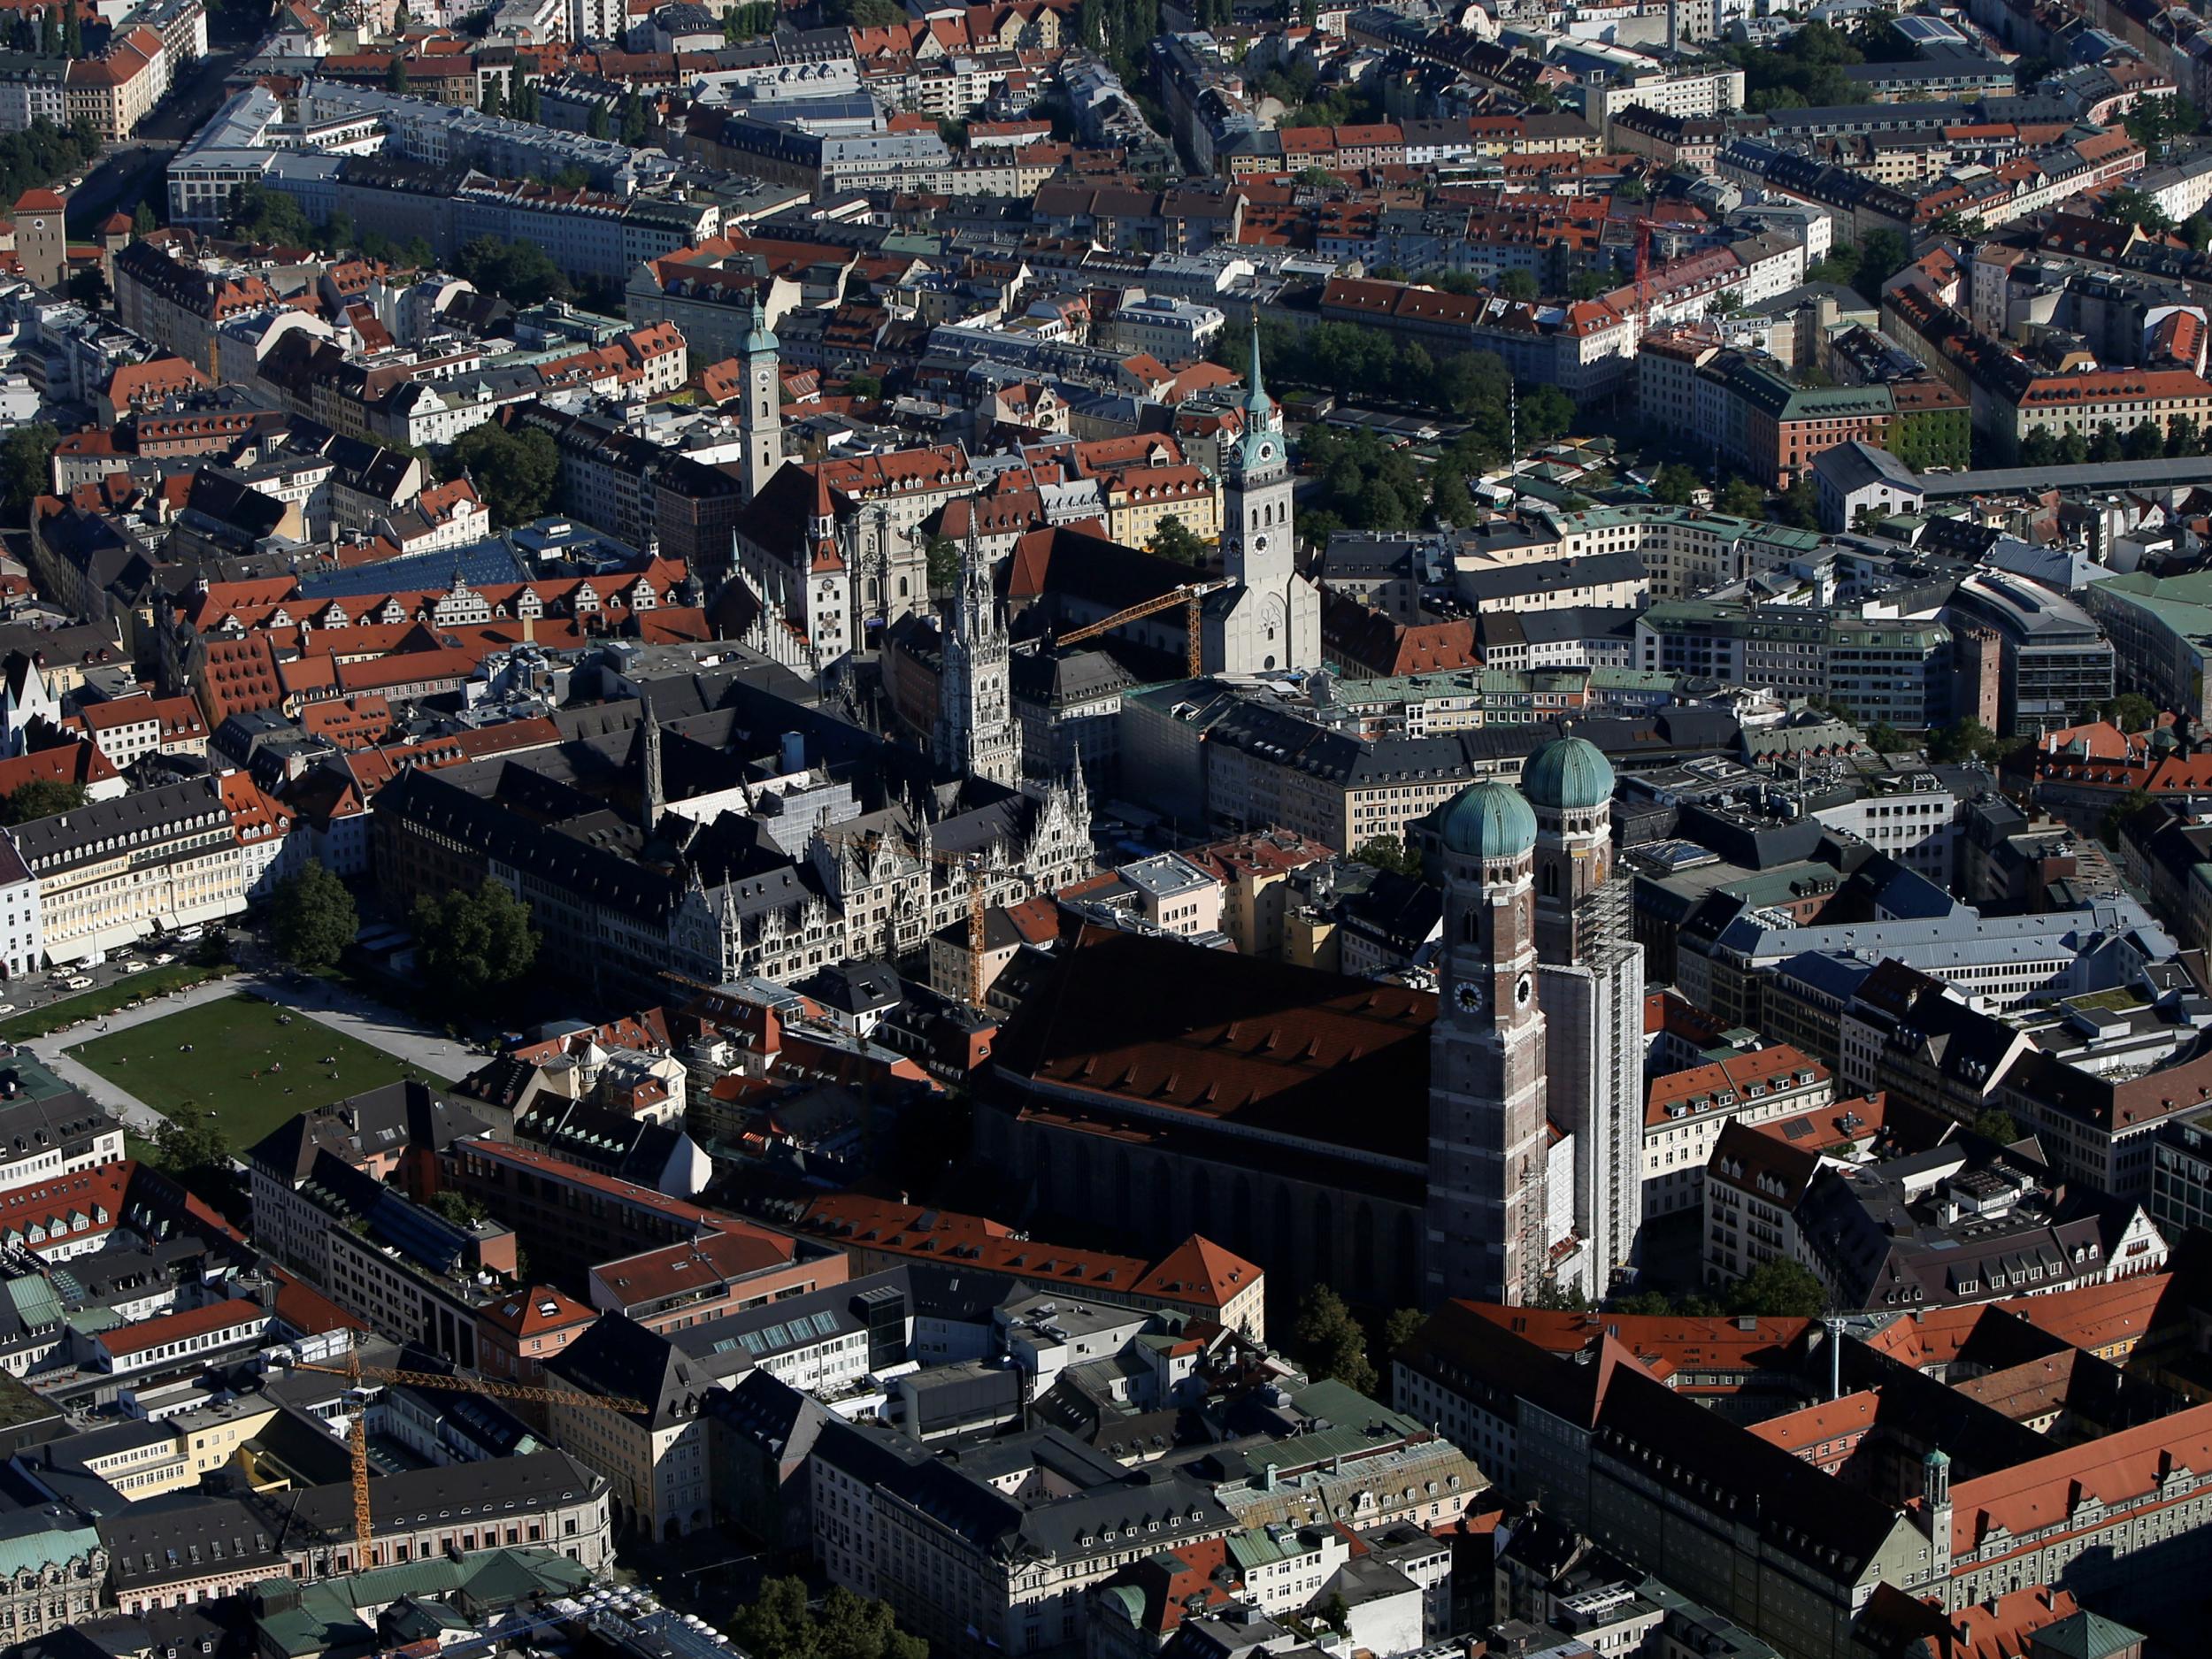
132	172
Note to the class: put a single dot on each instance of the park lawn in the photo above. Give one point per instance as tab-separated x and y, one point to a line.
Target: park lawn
231	1040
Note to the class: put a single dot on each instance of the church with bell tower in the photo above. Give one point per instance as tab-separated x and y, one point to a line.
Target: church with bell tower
1271	618
1536	1057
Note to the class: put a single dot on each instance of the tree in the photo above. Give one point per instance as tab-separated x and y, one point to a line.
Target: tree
1881	257
49	32
2130	711
520	273
2133	207
778	1625
1518	285
313	918
258	213
2129	804
2105	446
637	124
458	1208
2181	436
1677	485
1329	1341
1966	739
2154	120
598	124
1800	503
1995	1124
72	32
2146	440
1388	852
1840	265
191	1142
1173	541
1743	499
41	797
27	462
495	99
1399	1327
395	75
526	99
1779	1289
1885	738
853	1626
515	473
143	222
941	556
473	945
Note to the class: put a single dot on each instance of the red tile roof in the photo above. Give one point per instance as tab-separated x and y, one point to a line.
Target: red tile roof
182	1326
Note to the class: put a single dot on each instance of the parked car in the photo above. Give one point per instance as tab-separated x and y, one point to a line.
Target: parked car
78	981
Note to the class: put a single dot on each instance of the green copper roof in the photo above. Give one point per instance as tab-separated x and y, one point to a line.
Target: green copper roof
1568	774
1490	821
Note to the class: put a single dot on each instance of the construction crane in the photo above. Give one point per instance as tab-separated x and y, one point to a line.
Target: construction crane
1187	595
357	1432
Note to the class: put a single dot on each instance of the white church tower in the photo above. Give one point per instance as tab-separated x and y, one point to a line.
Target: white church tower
1272	617
976	730
760	416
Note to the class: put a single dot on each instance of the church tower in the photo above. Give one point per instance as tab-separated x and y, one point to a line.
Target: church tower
1488	1142
976	732
1273	620
1590	984
760	416
652	789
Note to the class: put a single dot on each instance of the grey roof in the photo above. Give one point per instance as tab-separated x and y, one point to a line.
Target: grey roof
2177	472
67	838
1853	466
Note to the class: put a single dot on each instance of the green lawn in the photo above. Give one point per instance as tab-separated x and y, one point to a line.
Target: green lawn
231	1040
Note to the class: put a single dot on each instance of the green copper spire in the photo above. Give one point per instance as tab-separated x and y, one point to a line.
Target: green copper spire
1257	398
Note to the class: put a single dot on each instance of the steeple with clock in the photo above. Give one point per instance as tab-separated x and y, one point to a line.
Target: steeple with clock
1488	1138
1256	545
1271	621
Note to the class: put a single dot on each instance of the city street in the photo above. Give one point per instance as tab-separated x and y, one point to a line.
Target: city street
132	172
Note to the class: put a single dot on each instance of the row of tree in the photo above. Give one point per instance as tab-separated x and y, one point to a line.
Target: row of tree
2146	440
42	152
55	35
474	948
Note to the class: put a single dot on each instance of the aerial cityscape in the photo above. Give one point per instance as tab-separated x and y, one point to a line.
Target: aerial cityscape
1105	829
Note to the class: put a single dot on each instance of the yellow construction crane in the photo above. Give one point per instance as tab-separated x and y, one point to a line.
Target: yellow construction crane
1188	595
357	1434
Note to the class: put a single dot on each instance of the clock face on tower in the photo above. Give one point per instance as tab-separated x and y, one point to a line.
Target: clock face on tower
1470	998
1524	990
